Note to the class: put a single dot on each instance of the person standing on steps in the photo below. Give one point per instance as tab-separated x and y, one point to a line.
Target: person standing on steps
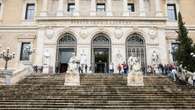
119	68
86	68
111	68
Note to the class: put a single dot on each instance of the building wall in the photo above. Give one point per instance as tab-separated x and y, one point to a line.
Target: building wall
156	30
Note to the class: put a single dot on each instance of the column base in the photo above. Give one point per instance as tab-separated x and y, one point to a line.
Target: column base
60	13
109	13
142	14
92	13
76	14
125	13
43	13
159	13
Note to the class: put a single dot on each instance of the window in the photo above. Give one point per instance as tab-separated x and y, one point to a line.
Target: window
25	47
30	11
131	7
171	11
0	7
71	7
100	7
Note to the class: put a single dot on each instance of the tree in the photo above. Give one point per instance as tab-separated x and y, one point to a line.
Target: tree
186	47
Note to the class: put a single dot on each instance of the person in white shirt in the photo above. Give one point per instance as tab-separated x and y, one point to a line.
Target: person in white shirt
111	68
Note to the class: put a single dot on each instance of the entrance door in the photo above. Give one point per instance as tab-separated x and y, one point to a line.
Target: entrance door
101	60
66	46
65	55
100	53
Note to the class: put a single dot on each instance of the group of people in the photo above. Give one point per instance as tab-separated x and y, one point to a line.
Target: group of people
123	68
83	68
166	69
37	69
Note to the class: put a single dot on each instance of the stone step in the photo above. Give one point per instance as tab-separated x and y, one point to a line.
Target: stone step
97	91
102	105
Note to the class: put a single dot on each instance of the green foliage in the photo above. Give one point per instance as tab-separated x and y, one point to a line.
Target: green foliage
186	47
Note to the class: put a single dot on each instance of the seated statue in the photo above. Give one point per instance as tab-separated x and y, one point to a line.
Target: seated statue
134	65
135	76
73	64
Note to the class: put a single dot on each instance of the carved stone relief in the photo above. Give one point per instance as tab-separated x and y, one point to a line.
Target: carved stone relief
49	32
153	36
83	32
118	33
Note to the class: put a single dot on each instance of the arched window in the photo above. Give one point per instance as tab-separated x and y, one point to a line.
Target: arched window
67	40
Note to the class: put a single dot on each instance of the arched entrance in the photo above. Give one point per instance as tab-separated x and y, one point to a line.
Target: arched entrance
66	46
101	49
135	46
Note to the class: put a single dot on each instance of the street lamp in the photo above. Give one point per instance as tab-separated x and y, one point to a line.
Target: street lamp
6	55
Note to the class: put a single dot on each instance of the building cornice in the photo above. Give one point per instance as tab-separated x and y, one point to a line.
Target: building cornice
17	27
104	18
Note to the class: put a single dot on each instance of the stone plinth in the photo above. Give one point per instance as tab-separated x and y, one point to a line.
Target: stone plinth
135	79
72	79
46	69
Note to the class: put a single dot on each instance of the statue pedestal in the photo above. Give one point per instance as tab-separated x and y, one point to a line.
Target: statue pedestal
46	69
72	79
135	79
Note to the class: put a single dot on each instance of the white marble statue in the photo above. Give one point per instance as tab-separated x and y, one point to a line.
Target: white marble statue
73	64
155	58
72	77
83	59
134	65
135	76
46	57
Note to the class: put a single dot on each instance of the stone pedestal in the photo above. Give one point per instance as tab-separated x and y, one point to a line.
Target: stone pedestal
72	79
46	69
135	79
7	76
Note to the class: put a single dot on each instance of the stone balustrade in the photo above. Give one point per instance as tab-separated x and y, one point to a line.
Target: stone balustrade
185	75
11	77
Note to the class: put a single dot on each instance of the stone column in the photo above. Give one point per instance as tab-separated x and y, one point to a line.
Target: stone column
142	8
93	8
125	8
77	8
44	8
39	47
158	8
109	7
60	10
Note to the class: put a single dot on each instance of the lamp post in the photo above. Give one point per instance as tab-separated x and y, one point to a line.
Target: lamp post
7	55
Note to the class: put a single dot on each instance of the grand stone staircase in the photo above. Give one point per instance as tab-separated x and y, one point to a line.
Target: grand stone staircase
97	91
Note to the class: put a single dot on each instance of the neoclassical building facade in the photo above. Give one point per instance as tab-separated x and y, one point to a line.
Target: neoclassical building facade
99	32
